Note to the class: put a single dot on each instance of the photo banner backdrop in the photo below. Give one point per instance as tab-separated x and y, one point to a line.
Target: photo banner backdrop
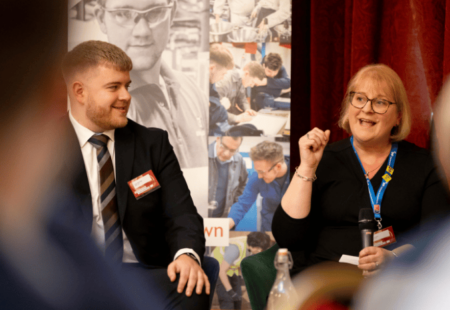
215	74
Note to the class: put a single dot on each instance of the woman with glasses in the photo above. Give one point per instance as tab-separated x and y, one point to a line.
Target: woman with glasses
374	168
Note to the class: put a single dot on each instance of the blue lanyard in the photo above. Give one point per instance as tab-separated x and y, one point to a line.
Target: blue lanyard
375	200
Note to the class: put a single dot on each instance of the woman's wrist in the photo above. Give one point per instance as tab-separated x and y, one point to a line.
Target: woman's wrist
304	178
306	171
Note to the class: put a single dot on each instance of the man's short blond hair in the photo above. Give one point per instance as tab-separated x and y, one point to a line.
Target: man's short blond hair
221	56
381	74
255	70
91	54
266	150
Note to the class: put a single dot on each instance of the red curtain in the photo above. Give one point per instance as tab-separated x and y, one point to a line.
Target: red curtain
410	36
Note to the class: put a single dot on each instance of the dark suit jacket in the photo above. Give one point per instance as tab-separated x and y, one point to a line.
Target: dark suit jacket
164	221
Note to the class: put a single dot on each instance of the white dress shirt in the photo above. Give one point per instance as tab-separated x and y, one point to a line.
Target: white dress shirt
90	162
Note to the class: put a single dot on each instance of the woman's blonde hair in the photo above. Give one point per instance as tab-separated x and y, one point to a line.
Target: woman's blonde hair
379	74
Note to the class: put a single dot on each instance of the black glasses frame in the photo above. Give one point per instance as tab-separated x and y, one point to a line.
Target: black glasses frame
352	94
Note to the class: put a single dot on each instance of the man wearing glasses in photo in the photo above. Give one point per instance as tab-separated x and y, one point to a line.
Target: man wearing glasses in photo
227	174
270	180
160	97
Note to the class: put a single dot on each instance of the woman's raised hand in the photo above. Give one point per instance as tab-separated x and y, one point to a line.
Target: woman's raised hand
311	147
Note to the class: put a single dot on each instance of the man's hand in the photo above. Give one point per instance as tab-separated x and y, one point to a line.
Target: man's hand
233	295
244	117
225	102
262	28
284	91
251	112
254	13
190	273
259	82
231	222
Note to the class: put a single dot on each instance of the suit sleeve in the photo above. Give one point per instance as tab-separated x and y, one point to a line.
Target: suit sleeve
184	226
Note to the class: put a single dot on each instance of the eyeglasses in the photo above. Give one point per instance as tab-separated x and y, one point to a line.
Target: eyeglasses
128	18
226	149
264	172
379	106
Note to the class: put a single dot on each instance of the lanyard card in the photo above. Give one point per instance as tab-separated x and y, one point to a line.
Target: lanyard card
384	237
143	184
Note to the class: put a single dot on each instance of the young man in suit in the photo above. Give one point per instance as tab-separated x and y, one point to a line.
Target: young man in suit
154	234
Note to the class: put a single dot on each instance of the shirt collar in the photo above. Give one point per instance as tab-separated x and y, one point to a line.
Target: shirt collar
85	134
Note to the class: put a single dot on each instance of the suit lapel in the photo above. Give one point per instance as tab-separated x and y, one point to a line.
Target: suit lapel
124	149
80	183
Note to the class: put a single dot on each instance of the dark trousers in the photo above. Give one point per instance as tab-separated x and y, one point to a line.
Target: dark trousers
154	284
225	300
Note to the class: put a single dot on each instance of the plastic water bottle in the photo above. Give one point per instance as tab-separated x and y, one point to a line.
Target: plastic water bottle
283	295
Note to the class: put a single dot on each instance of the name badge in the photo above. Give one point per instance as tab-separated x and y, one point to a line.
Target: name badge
384	237
144	184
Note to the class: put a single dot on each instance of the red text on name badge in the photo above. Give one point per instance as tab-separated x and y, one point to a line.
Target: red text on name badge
143	184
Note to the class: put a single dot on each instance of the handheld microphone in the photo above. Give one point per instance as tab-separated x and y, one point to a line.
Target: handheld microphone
366	226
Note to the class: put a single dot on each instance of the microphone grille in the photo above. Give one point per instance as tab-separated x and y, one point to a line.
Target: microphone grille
365	214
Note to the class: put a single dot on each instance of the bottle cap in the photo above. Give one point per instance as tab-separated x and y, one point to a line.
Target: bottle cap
283	252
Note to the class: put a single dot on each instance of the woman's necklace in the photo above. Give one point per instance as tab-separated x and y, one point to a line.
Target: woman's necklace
367	173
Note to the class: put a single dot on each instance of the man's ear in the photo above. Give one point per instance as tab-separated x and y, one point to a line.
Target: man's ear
79	92
100	16
212	66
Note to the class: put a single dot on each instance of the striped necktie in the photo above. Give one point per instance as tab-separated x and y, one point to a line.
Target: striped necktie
108	200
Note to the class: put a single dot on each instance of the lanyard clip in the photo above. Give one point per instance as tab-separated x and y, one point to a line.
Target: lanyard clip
379	223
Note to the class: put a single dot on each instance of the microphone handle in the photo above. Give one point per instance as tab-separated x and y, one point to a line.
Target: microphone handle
367	238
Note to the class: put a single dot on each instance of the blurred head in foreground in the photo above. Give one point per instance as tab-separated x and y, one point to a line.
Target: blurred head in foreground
442	129
31	102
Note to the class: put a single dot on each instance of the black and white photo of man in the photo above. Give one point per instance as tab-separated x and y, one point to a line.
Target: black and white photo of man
161	97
